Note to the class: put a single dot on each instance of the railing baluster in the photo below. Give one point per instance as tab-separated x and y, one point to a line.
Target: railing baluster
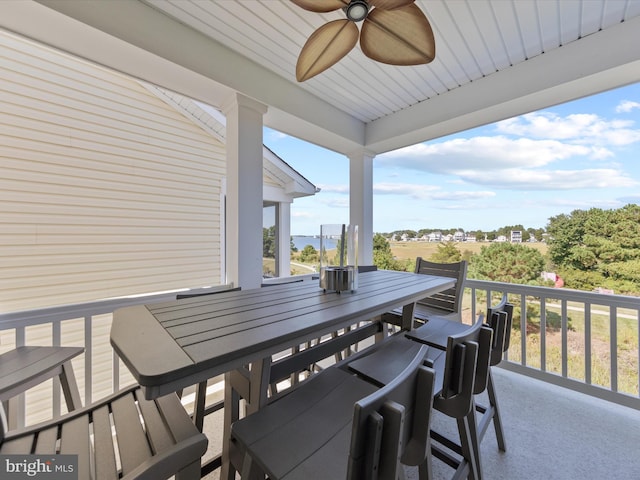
613	329
473	304
56	341
17	411
523	329
116	371
88	359
543	334
587	343
564	320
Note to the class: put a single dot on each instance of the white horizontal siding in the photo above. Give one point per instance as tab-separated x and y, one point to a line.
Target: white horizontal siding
105	190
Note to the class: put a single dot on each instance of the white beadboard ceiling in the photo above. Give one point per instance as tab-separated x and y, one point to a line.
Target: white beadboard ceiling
494	59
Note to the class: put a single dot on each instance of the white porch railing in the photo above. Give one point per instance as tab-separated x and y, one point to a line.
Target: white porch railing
561	336
580	340
98	370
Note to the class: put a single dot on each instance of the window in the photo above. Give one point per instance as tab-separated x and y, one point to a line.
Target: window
270	240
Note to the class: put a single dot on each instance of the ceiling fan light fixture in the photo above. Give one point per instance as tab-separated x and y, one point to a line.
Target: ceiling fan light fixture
357	10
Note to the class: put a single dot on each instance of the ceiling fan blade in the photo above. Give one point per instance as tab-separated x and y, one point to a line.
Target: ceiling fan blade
325	47
401	36
389	4
321	6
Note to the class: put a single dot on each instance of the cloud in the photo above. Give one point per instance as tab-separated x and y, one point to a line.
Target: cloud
427	192
630	199
579	128
301	214
485	154
341	189
537	151
626	106
333	201
532	180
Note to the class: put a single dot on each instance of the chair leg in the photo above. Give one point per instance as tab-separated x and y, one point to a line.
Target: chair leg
425	469
497	422
70	387
466	444
475	440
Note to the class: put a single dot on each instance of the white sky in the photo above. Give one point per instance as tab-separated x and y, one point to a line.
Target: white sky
523	170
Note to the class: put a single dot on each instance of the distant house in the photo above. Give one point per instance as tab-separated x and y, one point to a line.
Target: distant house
471	237
435	237
500	238
458	236
516	236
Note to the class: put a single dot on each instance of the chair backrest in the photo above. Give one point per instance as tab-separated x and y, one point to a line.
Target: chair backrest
466	363
392	424
367	268
500	319
206	292
449	300
282	281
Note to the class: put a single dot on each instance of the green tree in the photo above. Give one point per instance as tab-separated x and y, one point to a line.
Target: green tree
597	248
447	253
309	254
269	242
383	258
507	262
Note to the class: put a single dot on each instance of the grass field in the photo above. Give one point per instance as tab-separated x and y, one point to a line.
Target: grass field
412	250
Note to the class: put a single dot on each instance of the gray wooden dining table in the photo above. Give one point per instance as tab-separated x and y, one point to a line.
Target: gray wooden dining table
170	346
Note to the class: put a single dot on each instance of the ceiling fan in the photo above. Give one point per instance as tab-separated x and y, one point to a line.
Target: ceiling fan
393	31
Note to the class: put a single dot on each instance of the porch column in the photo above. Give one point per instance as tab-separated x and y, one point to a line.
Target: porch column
284	239
244	191
361	202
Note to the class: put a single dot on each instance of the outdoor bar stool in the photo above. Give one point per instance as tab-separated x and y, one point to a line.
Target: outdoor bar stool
28	366
456	368
500	320
337	425
122	436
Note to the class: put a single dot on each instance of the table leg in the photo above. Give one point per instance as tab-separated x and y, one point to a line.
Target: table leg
407	316
201	400
231	414
258	384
